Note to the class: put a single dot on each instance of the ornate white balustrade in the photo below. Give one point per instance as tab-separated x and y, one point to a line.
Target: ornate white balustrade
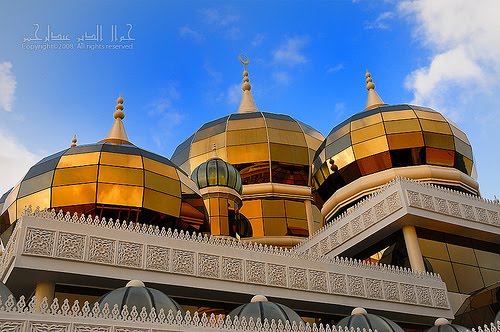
106	249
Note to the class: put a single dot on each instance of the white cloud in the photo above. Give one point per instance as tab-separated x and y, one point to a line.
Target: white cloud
15	161
257	40
380	22
334	69
216	17
281	78
290	51
234	94
7	86
187	32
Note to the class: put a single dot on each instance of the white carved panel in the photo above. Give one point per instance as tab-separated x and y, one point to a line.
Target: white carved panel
297	277
391	290
374	288
317	281
91	328
70	246
101	250
276	275
11	326
232	268
356	285
256	272
182	261
208	265
48	327
39	242
157	258
338	283
424	295
129	254
408	293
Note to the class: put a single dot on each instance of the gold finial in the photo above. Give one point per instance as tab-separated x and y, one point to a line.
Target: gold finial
73	141
117	133
374	99
247	104
214	152
246	81
119	108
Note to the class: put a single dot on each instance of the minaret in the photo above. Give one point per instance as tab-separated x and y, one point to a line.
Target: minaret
117	133
247	104
374	99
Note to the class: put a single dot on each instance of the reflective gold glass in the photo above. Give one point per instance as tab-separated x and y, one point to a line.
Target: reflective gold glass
488	259
435	126
343	158
162	184
468	277
440	157
460	134
246	124
74	195
367	133
440	141
370	147
121	175
433	249
248	153
404	141
366	121
297	226
430	115
160	202
275	226
283	124
40	199
402	126
74	175
283	153
446	272
214	207
490	277
119	159
273	208
252	209
398	115
287	137
79	159
206	145
295	210
375	163
461	254
257	227
312	142
114	194
251	136
338	133
463	148
160	168
36	183
11	198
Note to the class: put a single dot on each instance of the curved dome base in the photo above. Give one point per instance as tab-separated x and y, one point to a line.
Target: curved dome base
361	187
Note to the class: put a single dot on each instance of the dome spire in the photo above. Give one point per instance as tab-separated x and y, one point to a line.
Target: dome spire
73	141
117	133
374	99
214	152
247	104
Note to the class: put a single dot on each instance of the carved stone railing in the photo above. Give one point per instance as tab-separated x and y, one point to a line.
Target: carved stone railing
397	194
55	317
227	263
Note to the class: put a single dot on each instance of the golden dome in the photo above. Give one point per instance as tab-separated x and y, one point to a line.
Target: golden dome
264	147
391	137
118	181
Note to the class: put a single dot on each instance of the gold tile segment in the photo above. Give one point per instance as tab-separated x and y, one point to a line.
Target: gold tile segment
120	159
115	194
75	175
121	175
74	195
81	159
40	199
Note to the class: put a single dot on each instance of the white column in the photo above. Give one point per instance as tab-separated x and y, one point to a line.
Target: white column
309	217
44	289
413	249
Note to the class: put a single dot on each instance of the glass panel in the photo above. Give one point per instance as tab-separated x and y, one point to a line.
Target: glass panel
35	184
463	164
246	153
212	173
257	226
310	131
295	210
460	134
297	227
252	209
439	141
79	160
469	278
367	133
339	145
118	159
335	135
398	115
74	195
366	121
312	142
157	167
463	148
283	153
462	254
41	168
433	249
446	272
487	259
210	131
283	124
490	277
275	227
403	141
273	208
435	126
160	202
245	124
375	163
11	198
430	115
344	158
439	157
74	175
201	173
119	195
402	126
206	145
370	147
40	199
408	157
222	173
162	184
238	137
349	173
120	175
287	137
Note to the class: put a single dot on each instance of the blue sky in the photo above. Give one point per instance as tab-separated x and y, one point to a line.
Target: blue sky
308	60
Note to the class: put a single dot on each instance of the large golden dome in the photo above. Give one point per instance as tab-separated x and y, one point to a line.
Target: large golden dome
112	178
412	141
